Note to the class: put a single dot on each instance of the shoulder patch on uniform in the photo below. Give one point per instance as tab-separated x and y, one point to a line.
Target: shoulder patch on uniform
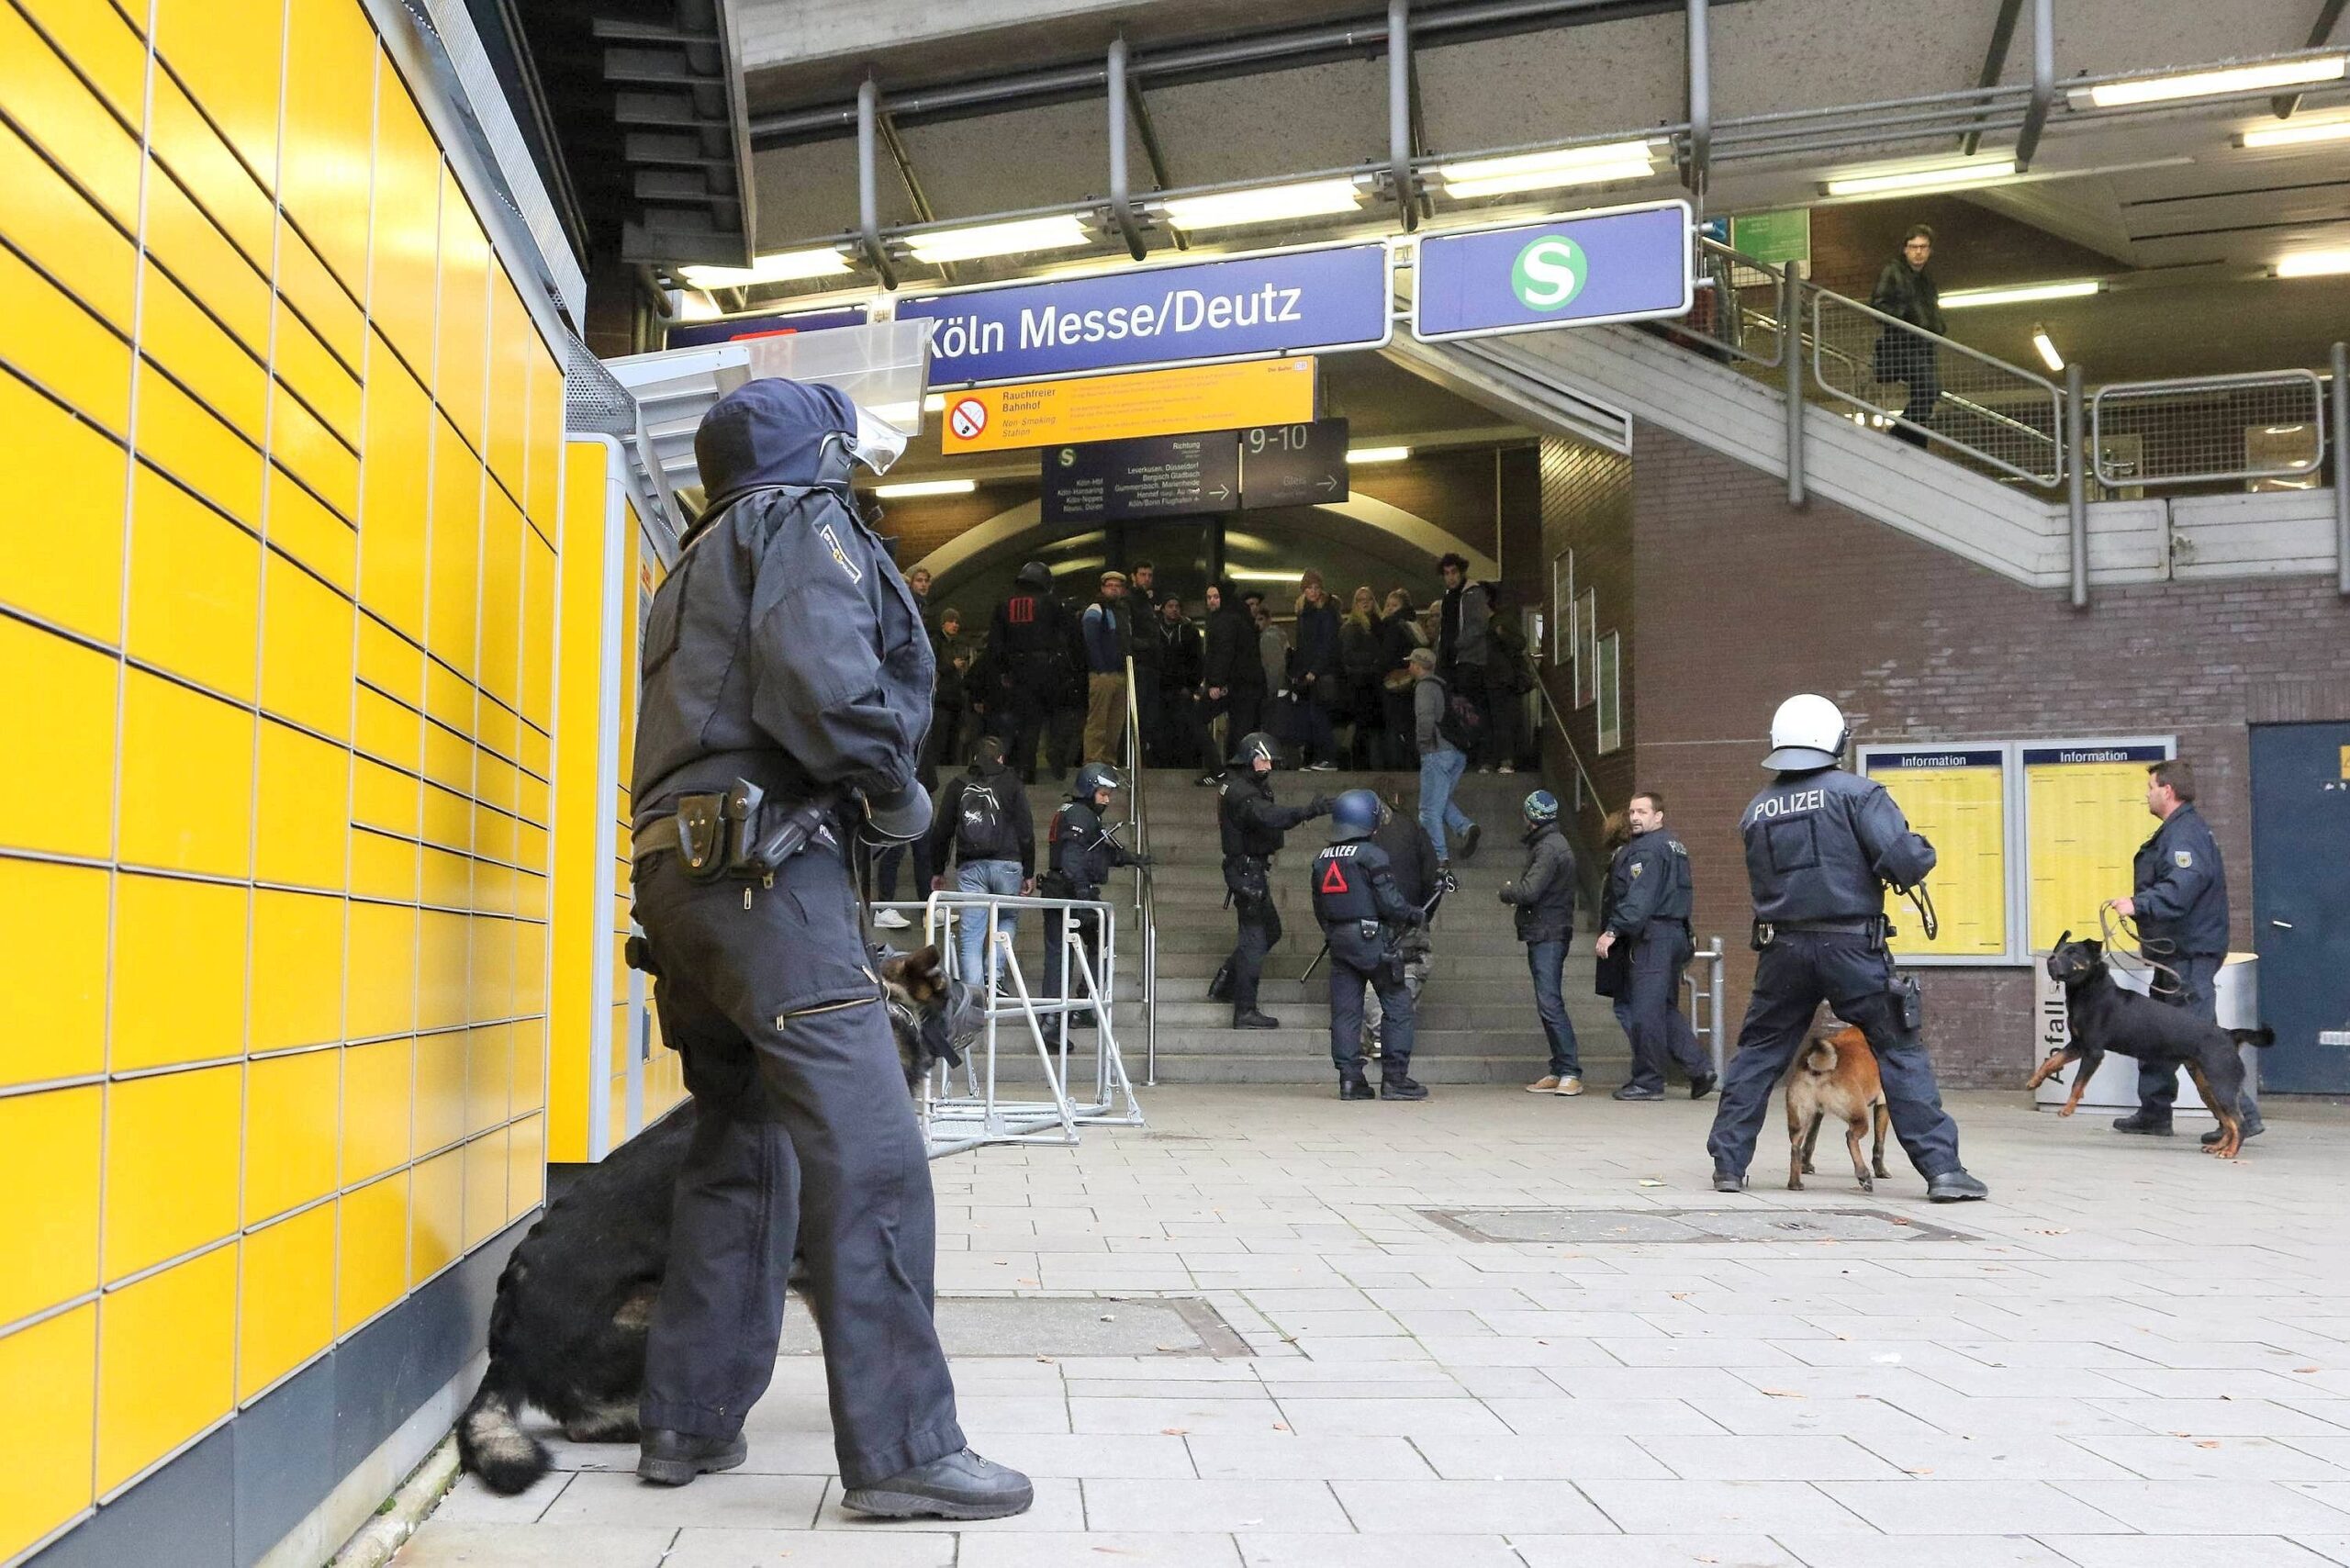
840	555
2182	858
1638	867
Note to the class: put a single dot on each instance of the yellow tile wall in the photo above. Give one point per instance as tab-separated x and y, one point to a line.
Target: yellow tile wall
286	1055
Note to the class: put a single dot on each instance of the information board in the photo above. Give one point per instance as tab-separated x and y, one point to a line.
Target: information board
1116	408
1294	464
1120	481
1955	797
2084	809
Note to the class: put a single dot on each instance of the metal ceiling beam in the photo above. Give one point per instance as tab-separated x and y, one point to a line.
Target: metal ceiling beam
1995	61
1399	112
1701	104
2044	81
1122	211
868	200
2329	12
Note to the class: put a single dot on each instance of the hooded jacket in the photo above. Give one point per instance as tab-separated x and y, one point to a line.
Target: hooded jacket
784	648
1010	798
1544	893
1233	659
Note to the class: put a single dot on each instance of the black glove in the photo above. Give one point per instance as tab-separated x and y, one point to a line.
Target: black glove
1509	892
1318	807
900	819
1145	861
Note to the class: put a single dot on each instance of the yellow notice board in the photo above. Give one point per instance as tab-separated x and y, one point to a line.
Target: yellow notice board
1113	408
1956	797
2084	808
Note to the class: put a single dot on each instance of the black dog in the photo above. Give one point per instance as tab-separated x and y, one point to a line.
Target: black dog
567	1331
2101	1017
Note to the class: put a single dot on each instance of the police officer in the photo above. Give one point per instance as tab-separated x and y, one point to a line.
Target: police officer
1363	918
1029	659
2182	907
1083	854
1820	843
1650	896
786	687
1252	826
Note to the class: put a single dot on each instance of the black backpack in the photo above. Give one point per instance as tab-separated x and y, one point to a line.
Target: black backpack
1459	723
984	832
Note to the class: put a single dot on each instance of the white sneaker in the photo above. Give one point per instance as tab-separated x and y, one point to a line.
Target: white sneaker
1321	767
1545	1084
1506	767
890	920
1569	1087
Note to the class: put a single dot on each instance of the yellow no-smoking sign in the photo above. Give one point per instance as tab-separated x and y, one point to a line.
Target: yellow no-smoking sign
1114	407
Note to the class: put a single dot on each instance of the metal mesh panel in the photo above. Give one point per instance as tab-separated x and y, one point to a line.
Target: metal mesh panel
2270	426
594	402
2000	414
1735	314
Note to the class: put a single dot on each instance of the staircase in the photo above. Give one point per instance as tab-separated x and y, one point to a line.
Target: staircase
1476	1018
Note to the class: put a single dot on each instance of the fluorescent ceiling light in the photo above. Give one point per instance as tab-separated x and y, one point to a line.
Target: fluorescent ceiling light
925	488
1378	454
2047	347
1966	298
695	305
2211	84
1262	575
934	403
2300	135
2313	263
1268	204
1949	176
781	266
1058	232
1546	170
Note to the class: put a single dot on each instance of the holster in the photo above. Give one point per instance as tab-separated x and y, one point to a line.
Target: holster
742	833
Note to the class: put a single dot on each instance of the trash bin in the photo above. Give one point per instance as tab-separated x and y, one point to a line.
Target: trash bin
2115	1086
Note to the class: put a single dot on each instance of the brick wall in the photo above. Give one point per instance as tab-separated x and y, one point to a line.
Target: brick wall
1586	498
1744	600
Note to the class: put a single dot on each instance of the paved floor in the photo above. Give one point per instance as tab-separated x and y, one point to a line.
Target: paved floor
2135	1355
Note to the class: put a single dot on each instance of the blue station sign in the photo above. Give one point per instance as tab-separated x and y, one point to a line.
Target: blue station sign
1624	263
1313	300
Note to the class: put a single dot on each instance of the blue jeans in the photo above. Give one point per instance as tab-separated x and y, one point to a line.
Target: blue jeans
1439	771
1547	959
999	877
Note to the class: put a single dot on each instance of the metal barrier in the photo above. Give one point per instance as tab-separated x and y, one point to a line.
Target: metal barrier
1715	1030
2266	425
1738	313
1998	413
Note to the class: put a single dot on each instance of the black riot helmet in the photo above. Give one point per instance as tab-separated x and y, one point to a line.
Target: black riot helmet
1091	778
1253	745
1034	575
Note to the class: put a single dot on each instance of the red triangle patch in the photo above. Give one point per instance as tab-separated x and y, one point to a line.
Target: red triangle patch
1334	878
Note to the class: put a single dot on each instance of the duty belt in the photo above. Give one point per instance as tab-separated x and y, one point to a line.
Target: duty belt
1866	926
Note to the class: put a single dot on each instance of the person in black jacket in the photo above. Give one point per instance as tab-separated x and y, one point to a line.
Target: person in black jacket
1084	851
1252	827
1029	650
1362	916
1233	674
1182	728
1399	633
1650	897
1906	291
1360	667
983	824
1317	687
1543	898
1149	654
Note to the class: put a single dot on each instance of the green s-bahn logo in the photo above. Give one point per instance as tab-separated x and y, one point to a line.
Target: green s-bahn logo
1548	272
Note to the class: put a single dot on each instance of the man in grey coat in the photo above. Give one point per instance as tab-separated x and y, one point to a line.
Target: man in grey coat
1464	639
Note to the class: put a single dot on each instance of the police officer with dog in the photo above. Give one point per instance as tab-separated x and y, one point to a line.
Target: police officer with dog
1821	846
1646	914
2180	904
1364	918
1083	853
1252	824
786	689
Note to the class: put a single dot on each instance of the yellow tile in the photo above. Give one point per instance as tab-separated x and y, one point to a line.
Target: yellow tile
53	925
305	650
530	846
448	880
300	526
448	697
530	1092
383	799
180	436
436	1215
381	999
318	298
103	46
543	439
389	732
74	579
49	1188
323	380
74	127
210	171
45	1445
489	1073
395	491
303	819
496	783
297	971
390	663
291	1136
497	728
538	632
501	598
526	1166
371	1265
492	983
531	799
230	53
493	888
330	131
194	589
378	1089
195	252
226	376
286	1302
530	968
167	1349
50	338
405	248
448	819
442	977
188	779
170	1165
453	622
307	449
179	972
535	753
448	758
486	1171
382	867
68	238
513	344
461	361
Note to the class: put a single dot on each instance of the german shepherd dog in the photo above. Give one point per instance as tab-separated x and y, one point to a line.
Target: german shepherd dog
2100	1016
567	1330
1835	1075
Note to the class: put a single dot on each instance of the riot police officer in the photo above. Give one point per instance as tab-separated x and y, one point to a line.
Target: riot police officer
1650	896
1363	918
1252	826
786	689
1820	846
1083	852
1031	660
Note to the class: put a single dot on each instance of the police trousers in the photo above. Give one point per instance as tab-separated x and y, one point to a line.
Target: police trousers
1792	977
805	1135
1259	926
1357	962
1658	1031
2198	990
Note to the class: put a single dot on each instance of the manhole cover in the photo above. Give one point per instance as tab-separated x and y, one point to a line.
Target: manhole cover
1062	1326
1593	1227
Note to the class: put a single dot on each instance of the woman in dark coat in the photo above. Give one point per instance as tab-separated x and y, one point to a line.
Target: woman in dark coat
1399	633
1363	664
1905	290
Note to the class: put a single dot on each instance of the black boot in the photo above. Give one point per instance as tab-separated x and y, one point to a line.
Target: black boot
1469	837
1356	1087
2142	1121
1398	1085
1955	1187
1701	1085
1220	987
962	1486
672	1458
1250	1018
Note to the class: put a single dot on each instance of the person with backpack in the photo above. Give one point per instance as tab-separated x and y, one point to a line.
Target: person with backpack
983	823
1447	725
1399	633
1084	852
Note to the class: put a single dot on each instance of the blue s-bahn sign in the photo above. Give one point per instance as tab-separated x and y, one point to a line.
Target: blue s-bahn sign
1624	263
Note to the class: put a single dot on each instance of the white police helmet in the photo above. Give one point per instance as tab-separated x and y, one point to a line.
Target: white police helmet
1807	732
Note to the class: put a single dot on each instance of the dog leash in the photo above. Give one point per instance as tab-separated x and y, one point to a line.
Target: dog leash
2108	921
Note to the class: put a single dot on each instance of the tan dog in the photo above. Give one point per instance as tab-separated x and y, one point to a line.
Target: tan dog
1835	1075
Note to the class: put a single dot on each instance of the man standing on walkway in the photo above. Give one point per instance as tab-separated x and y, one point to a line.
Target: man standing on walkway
1543	900
1650	896
1108	638
2182	907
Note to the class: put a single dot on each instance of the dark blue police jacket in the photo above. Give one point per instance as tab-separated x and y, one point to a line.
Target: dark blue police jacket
1819	846
2182	888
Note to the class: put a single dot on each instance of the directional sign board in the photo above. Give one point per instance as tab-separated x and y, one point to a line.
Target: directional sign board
1113	408
1294	465
1254	306
1621	264
1119	481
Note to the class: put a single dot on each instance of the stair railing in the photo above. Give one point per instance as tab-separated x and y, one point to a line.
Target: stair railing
1146	904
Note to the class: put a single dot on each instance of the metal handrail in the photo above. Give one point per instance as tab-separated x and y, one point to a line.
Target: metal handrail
1146	900
1589	784
2202	388
1731	315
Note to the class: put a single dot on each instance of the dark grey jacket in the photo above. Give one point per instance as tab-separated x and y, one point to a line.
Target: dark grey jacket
1821	844
2182	888
785	648
1544	893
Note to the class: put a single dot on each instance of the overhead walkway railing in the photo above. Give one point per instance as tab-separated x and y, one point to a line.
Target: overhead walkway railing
2210	429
